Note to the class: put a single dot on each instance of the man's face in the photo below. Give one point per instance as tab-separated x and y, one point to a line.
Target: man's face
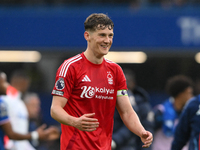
33	107
129	81
25	83
100	41
188	93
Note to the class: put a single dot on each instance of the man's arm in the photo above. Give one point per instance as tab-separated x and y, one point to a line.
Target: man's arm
182	130
86	122
41	133
122	133
7	128
132	121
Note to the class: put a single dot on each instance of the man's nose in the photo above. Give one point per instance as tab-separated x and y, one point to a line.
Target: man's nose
107	39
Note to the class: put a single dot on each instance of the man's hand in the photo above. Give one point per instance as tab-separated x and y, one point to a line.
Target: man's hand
86	123
53	133
43	134
147	139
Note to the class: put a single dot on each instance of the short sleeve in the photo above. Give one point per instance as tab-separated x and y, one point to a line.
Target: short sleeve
3	112
64	82
121	80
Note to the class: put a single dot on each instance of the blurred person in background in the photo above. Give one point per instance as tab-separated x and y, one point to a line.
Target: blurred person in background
188	128
180	89
87	89
17	111
124	139
33	105
5	124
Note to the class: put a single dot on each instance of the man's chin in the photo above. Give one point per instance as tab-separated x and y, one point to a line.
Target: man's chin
106	52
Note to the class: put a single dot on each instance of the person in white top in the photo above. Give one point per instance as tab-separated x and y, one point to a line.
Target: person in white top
17	110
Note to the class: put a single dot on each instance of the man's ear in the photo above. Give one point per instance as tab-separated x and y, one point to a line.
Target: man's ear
86	35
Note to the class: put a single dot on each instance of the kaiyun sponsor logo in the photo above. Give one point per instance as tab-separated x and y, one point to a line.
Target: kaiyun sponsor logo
89	92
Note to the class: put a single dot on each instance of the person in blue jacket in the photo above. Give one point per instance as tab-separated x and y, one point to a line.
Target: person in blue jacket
180	90
123	139
188	128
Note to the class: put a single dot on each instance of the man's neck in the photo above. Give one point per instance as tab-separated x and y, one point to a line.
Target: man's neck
92	57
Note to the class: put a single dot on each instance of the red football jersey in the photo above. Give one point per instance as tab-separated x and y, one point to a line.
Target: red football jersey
89	88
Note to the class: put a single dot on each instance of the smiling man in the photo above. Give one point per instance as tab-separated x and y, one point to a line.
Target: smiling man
88	88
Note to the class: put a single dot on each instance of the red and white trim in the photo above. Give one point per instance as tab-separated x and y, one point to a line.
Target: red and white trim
109	61
67	63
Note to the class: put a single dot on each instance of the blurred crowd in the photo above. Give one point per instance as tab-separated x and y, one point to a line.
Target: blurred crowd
135	4
23	110
161	119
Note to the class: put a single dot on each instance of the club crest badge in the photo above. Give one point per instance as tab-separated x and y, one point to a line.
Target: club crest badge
60	84
110	78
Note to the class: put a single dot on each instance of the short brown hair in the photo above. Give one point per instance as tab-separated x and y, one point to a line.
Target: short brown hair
98	21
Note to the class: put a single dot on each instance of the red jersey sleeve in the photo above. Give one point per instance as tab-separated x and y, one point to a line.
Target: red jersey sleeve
121	80
64	81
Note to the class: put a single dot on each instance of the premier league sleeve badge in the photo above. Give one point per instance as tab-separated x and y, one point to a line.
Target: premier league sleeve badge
60	84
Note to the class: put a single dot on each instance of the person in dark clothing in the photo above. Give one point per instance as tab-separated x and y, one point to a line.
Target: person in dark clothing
166	114
123	139
188	128
33	105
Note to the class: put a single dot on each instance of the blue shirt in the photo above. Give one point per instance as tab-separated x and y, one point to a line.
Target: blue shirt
188	128
166	117
3	120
